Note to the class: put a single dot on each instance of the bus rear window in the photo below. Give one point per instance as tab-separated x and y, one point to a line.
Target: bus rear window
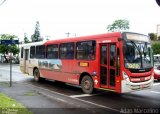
86	50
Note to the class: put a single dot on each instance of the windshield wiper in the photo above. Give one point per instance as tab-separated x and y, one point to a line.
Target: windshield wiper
138	51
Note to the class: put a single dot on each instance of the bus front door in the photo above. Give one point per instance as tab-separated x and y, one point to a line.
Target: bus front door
26	52
108	66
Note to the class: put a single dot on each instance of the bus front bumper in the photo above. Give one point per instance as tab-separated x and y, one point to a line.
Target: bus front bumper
128	86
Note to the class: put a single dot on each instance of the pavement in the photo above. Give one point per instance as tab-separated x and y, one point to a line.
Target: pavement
42	101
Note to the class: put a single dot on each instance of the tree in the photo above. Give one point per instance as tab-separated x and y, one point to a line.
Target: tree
26	40
5	49
152	36
36	36
118	25
156	48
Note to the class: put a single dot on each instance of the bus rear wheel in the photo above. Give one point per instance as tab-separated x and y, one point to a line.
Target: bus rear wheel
36	74
87	84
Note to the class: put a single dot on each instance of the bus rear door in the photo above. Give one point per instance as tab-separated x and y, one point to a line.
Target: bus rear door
108	65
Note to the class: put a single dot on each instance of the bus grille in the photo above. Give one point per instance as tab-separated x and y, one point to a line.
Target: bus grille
140	79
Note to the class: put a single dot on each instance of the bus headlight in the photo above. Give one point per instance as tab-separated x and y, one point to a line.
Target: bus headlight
125	76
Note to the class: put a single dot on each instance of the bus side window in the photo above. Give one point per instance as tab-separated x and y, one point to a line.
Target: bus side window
40	52
67	51
86	50
32	52
22	52
52	51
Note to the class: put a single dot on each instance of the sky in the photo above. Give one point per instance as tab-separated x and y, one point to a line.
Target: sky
79	17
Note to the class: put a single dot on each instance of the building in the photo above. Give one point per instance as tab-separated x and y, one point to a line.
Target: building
158	31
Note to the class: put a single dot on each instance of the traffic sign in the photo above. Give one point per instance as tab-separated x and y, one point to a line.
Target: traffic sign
9	42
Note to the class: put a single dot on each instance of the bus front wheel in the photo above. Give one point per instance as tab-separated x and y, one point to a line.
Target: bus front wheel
87	84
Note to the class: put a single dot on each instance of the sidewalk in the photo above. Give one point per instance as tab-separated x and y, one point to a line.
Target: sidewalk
41	101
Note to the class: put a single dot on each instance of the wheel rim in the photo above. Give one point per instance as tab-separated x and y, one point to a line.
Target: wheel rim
87	84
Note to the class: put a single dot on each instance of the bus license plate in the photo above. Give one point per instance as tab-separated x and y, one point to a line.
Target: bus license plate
142	86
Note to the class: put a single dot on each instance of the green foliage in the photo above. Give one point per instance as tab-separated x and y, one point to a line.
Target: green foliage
8	48
26	40
118	25
5	49
156	48
36	36
152	36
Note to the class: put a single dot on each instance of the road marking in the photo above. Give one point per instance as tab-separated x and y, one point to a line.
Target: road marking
155	84
102	106
83	95
155	92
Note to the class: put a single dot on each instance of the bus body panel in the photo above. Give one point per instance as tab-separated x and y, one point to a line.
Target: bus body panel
70	71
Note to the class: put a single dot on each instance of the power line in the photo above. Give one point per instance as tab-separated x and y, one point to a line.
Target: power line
2	2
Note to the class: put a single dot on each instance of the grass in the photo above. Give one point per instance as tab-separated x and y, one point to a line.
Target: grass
30	93
10	106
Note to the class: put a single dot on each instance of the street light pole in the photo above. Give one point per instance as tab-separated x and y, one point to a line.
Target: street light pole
68	33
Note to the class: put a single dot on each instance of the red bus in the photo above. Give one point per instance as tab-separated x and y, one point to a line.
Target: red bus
120	61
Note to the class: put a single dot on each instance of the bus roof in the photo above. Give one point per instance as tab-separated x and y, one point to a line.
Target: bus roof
85	37
81	38
31	44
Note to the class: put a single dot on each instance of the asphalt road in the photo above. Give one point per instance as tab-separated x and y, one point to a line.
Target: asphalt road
146	101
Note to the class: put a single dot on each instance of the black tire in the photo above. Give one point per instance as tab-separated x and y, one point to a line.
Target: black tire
87	84
158	80
37	77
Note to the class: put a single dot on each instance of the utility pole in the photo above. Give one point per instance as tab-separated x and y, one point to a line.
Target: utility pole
68	33
47	37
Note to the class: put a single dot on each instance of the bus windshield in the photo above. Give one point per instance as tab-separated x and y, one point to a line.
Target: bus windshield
137	54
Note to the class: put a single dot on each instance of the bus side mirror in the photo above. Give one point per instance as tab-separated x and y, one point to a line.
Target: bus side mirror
158	2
